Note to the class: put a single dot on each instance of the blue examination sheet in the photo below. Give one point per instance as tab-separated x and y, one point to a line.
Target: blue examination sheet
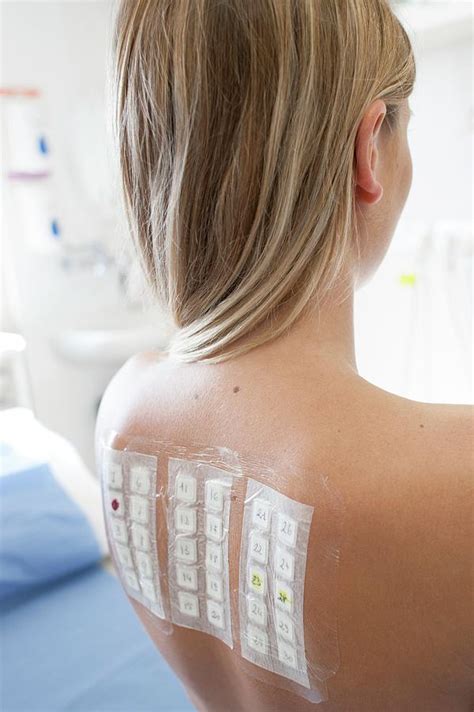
77	645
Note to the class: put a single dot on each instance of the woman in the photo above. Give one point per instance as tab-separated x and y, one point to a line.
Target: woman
265	165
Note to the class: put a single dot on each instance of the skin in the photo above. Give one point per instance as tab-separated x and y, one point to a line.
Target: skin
403	469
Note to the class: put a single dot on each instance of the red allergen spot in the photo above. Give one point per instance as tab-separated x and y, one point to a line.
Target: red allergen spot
115	504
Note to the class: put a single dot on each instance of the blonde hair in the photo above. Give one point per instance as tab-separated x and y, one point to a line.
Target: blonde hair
236	123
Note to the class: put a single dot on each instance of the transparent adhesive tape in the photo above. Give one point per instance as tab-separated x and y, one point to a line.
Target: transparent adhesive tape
203	539
274	543
128	496
198	563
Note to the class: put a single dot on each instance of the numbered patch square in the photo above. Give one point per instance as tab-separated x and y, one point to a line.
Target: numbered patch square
283	596
131	579
214	527
188	604
214	495
284	564
258	547
257	580
284	626
257	611
140	537
124	556
214	558
287	530
144	564
186	550
215	614
257	639
215	586
139	509
114	474
119	530
186	488
185	520
287	654
261	514
148	590
187	577
140	479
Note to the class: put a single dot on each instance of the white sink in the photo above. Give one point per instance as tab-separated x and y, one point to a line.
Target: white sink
105	347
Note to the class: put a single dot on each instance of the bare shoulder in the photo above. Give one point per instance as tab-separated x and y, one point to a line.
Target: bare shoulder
120	396
406	561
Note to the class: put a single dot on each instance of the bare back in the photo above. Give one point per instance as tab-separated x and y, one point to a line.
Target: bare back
403	470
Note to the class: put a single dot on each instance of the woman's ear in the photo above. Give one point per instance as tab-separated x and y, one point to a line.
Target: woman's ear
368	189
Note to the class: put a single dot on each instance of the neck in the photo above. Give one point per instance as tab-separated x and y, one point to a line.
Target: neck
325	334
321	338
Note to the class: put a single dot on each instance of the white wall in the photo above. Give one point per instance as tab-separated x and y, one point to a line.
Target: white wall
416	340
61	50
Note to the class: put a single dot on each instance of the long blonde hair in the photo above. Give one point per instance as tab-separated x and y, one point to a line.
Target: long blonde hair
236	123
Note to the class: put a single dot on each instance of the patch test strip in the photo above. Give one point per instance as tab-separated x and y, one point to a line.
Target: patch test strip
129	500
199	502
275	533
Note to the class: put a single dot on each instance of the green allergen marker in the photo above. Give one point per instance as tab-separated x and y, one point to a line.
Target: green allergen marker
408	280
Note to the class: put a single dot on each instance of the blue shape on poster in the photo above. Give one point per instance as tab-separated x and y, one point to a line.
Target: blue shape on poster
55	229
42	145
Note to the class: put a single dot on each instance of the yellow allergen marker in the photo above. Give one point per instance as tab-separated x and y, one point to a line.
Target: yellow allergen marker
408	280
284	596
257	580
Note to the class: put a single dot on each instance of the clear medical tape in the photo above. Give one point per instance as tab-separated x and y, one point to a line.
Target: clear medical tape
208	543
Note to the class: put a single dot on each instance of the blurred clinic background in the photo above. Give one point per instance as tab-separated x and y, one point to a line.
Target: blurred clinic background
71	292
73	309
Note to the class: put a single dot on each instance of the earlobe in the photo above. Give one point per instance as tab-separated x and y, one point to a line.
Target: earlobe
369	197
378	193
368	189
